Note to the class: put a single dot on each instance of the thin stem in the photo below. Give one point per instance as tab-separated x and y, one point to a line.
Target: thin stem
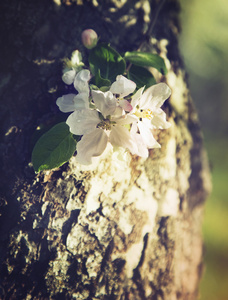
128	68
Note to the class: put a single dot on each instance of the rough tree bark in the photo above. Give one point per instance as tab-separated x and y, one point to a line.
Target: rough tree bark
96	232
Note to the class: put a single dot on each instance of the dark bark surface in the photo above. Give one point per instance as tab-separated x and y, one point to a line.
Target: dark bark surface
80	233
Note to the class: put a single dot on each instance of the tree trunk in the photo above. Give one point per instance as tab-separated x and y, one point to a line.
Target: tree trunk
82	232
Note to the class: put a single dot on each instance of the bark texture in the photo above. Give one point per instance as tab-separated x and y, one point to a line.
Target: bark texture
97	232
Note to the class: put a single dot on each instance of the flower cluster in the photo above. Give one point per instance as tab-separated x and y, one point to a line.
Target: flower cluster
118	114
115	102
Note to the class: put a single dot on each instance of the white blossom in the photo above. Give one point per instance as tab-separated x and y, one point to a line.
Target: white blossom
72	102
147	107
79	79
99	128
115	116
123	87
72	66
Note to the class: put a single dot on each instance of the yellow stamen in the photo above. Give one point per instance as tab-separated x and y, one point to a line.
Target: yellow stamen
148	114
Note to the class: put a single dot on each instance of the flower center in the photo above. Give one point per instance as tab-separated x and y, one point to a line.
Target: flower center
106	124
142	114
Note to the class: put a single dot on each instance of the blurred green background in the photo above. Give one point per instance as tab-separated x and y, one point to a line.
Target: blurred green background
204	46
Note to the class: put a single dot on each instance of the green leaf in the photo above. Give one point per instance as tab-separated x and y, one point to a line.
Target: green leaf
141	76
99	81
145	59
107	61
54	148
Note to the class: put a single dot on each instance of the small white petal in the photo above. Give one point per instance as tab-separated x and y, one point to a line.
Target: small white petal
81	81
83	75
66	103
119	112
105	102
155	96
122	86
120	137
147	123
159	120
81	101
126	105
136	97
142	149
125	119
91	145
83	121
68	77
147	136
72	102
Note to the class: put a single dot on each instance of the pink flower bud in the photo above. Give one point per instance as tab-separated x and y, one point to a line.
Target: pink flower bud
89	38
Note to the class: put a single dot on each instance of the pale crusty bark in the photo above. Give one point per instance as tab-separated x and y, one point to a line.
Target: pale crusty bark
100	231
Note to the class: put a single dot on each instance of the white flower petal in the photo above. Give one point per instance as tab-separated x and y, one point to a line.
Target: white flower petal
120	137
81	101
83	121
125	119
91	144
126	105
105	102
147	136
68	77
155	96
81	81
142	149
119	112
122	86
159	120
72	102
83	75
136	97
147	123
66	103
